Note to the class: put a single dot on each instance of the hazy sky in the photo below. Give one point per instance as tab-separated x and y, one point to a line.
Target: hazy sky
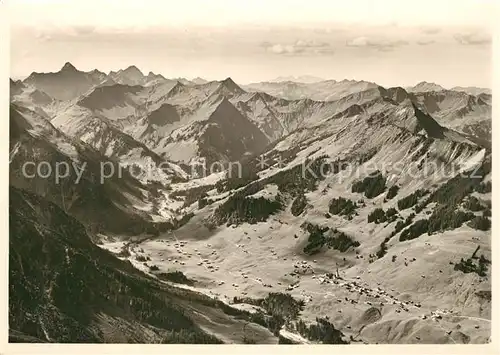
389	42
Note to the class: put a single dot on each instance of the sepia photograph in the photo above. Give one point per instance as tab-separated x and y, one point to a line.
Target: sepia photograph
250	172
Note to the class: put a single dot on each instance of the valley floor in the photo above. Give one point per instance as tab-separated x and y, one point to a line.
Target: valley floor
419	298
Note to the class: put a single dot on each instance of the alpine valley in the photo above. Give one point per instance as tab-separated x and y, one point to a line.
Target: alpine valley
340	212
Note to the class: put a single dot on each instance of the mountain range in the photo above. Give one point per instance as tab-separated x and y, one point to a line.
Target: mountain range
337	212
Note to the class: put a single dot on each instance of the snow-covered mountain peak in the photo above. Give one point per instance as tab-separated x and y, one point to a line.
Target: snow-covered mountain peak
425	86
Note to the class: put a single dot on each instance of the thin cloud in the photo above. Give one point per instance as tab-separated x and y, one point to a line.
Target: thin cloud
473	39
305	47
310	44
83	30
58	33
425	42
43	36
430	30
381	45
358	42
283	49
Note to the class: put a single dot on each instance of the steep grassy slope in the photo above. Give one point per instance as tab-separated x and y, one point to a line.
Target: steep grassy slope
107	205
63	288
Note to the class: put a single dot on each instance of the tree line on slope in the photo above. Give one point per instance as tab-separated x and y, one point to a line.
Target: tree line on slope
469	265
448	213
378	215
372	185
324	236
285	309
